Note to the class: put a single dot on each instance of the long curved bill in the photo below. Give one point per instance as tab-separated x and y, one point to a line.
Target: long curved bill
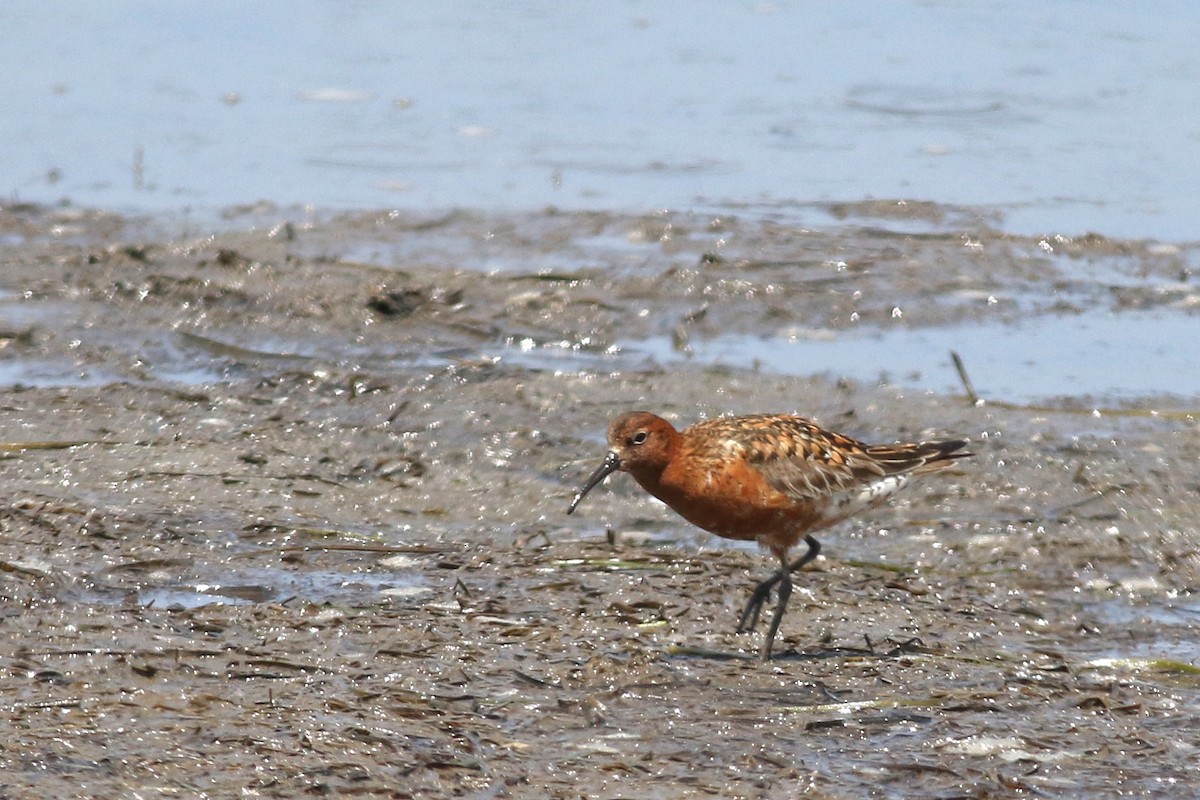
612	463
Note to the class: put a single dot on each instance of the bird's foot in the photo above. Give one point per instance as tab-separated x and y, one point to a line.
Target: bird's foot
749	618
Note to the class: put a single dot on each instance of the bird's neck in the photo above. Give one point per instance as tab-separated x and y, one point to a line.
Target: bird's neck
648	475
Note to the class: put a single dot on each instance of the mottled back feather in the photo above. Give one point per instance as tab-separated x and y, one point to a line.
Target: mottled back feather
801	459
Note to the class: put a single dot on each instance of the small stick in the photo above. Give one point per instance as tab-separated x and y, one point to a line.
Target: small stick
965	378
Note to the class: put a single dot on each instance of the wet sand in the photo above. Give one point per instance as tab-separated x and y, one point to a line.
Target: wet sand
285	516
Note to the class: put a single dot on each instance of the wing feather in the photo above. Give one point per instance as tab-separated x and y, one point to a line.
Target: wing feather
799	458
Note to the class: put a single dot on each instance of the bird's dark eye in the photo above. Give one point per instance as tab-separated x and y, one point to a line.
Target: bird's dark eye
640	437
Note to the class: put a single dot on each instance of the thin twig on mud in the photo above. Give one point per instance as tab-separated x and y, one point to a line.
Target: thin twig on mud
965	378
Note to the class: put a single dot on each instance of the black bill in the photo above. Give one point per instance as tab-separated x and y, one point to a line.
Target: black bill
612	463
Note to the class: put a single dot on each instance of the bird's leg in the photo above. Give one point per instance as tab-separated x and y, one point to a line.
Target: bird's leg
754	605
785	591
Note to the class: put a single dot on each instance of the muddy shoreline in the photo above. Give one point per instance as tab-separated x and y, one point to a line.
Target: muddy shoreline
285	516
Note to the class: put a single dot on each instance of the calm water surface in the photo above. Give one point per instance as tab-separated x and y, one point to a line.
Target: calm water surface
1067	116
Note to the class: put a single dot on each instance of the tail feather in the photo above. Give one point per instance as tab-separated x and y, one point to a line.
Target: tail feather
918	458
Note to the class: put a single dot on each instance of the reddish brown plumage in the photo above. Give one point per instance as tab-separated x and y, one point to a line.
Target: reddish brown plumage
772	478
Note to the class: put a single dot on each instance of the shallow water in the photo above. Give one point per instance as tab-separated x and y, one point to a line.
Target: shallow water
1066	118
250	586
1096	354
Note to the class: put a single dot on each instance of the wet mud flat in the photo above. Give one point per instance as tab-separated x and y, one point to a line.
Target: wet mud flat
284	516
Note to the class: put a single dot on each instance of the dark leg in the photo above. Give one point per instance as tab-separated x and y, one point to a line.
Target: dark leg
785	591
754	605
761	592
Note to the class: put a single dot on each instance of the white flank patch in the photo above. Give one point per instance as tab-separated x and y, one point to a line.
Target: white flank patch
872	494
